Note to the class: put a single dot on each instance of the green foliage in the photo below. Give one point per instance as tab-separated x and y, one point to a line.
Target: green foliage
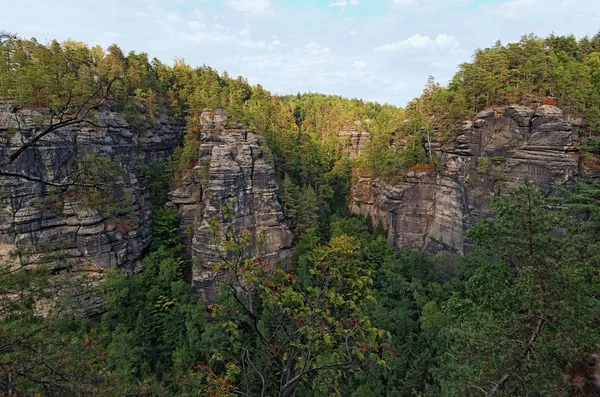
391	154
43	339
482	165
349	315
529	292
184	157
151	319
557	70
155	178
290	196
102	181
288	332
165	227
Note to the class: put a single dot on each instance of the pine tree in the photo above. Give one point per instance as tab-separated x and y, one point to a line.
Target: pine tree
528	311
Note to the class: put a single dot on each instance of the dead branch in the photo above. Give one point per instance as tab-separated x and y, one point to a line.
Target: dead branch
536	333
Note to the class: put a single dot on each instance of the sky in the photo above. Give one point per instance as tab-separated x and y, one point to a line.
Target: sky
378	50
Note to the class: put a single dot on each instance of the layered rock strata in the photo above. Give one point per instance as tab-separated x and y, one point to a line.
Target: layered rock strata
233	184
354	137
47	223
499	150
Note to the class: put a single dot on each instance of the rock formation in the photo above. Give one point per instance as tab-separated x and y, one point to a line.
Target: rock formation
499	150
354	136
233	183
45	223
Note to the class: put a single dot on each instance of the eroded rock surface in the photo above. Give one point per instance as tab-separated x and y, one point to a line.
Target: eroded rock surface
354	137
499	150
43	222
233	183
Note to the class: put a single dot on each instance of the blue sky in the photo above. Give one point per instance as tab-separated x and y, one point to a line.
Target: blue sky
381	50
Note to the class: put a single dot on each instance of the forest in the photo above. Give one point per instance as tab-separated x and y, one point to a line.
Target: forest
349	315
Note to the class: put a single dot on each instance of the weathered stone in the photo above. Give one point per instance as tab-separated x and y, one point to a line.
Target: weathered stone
500	150
235	184
354	137
34	221
521	114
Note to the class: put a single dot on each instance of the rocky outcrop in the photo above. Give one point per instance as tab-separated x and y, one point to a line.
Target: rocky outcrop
354	136
499	150
47	223
234	184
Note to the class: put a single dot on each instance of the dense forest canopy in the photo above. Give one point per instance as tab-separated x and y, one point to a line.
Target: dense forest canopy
350	315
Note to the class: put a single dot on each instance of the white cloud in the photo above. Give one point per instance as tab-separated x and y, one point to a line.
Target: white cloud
399	86
173	17
317	49
428	6
304	67
440	65
112	35
276	54
250	6
343	3
511	8
246	30
421	42
275	44
360	65
196	25
219	37
340	4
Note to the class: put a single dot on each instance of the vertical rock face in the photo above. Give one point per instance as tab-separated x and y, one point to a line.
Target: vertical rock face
426	211
233	183
499	150
46	223
354	136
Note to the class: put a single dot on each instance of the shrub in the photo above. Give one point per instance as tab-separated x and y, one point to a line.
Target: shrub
482	165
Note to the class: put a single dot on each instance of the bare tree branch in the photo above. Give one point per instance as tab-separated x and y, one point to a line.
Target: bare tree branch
68	115
49	183
77	118
4	35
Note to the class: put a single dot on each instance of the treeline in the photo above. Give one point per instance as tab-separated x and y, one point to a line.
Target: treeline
300	130
556	70
560	70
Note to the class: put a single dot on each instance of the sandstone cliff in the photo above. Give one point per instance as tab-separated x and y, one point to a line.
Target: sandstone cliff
499	150
354	137
45	223
234	183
